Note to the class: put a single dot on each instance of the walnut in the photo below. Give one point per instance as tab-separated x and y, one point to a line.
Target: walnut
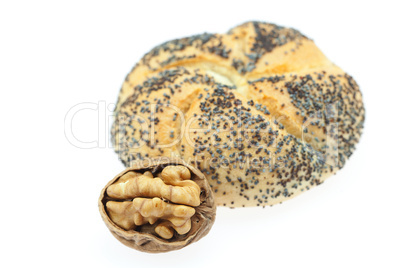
158	207
173	185
130	214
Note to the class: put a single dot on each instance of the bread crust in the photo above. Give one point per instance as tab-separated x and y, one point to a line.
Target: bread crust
260	111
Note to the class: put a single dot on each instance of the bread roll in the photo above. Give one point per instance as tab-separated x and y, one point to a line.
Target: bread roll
260	111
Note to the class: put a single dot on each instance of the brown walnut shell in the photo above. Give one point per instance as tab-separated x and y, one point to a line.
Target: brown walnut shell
144	238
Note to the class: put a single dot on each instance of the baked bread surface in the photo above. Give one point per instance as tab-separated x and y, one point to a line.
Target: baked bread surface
260	111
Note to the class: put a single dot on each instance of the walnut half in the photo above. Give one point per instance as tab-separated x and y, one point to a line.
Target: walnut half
158	205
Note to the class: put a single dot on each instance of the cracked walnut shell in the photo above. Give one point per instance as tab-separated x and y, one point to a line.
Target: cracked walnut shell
159	206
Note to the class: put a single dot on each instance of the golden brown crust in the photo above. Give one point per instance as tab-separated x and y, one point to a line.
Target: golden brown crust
259	93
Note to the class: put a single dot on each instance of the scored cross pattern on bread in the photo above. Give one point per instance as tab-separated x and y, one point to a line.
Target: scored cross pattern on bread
260	111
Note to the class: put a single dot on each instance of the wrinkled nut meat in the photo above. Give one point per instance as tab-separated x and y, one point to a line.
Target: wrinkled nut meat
158	208
174	185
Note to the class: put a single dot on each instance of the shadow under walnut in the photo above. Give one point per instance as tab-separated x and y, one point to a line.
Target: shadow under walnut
158	205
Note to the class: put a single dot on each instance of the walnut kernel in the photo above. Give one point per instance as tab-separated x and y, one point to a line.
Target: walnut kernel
158	208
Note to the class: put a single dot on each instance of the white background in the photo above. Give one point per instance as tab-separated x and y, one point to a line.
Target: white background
56	55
